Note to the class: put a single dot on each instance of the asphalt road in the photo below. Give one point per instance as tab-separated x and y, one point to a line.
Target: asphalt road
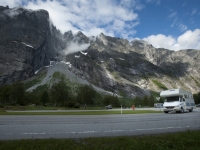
55	126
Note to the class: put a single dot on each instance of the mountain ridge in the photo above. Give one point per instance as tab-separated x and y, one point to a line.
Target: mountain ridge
114	64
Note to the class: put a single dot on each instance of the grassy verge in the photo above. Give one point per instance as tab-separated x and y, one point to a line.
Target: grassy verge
172	141
48	108
103	112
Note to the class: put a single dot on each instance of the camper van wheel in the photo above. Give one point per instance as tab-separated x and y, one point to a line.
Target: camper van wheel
166	112
182	111
191	110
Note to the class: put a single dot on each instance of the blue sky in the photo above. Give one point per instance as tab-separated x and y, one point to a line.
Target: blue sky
169	17
171	24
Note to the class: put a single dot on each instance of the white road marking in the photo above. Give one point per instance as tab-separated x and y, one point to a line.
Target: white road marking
114	131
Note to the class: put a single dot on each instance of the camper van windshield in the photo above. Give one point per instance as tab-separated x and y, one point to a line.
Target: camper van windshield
172	99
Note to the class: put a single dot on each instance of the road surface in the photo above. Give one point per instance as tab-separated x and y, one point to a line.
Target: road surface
60	126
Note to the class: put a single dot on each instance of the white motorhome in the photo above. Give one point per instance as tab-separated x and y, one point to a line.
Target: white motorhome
177	100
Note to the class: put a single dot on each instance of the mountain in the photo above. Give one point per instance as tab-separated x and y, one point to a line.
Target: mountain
136	68
29	42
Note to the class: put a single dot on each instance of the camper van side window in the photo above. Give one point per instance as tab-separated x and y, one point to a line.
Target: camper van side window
184	99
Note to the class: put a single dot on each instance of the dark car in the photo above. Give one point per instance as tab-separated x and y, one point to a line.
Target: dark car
109	107
198	105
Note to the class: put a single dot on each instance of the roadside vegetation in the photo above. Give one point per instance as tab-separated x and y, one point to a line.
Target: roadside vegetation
86	112
171	141
61	92
62	95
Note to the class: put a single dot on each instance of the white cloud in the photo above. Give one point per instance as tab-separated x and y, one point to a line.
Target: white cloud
194	10
11	3
172	15
93	31
157	2
188	40
75	47
160	40
182	27
88	16
12	13
177	21
131	3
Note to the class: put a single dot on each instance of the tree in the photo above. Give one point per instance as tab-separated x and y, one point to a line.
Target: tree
5	92
111	100
145	101
197	98
161	100
151	101
106	100
44	98
115	101
137	101
17	93
59	93
86	94
31	98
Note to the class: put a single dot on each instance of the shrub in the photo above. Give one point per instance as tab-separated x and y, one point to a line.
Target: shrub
77	105
70	104
1	106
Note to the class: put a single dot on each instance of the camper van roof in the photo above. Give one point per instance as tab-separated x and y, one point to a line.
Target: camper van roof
173	92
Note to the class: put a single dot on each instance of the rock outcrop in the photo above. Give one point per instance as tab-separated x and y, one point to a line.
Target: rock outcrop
135	68
28	41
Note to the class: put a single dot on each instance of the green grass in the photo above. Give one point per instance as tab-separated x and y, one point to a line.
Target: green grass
35	80
40	89
159	84
59	75
98	112
188	140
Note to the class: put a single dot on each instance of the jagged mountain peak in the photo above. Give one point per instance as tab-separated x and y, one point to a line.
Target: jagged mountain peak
68	36
81	38
138	41
16	11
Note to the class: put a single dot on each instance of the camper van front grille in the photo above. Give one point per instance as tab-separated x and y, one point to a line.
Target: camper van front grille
170	107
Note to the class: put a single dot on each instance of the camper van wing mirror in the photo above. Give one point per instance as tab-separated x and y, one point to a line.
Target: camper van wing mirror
181	98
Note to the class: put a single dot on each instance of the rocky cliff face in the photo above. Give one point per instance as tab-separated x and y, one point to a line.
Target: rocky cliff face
28	41
135	68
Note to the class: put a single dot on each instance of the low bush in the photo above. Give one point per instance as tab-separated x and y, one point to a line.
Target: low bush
77	105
